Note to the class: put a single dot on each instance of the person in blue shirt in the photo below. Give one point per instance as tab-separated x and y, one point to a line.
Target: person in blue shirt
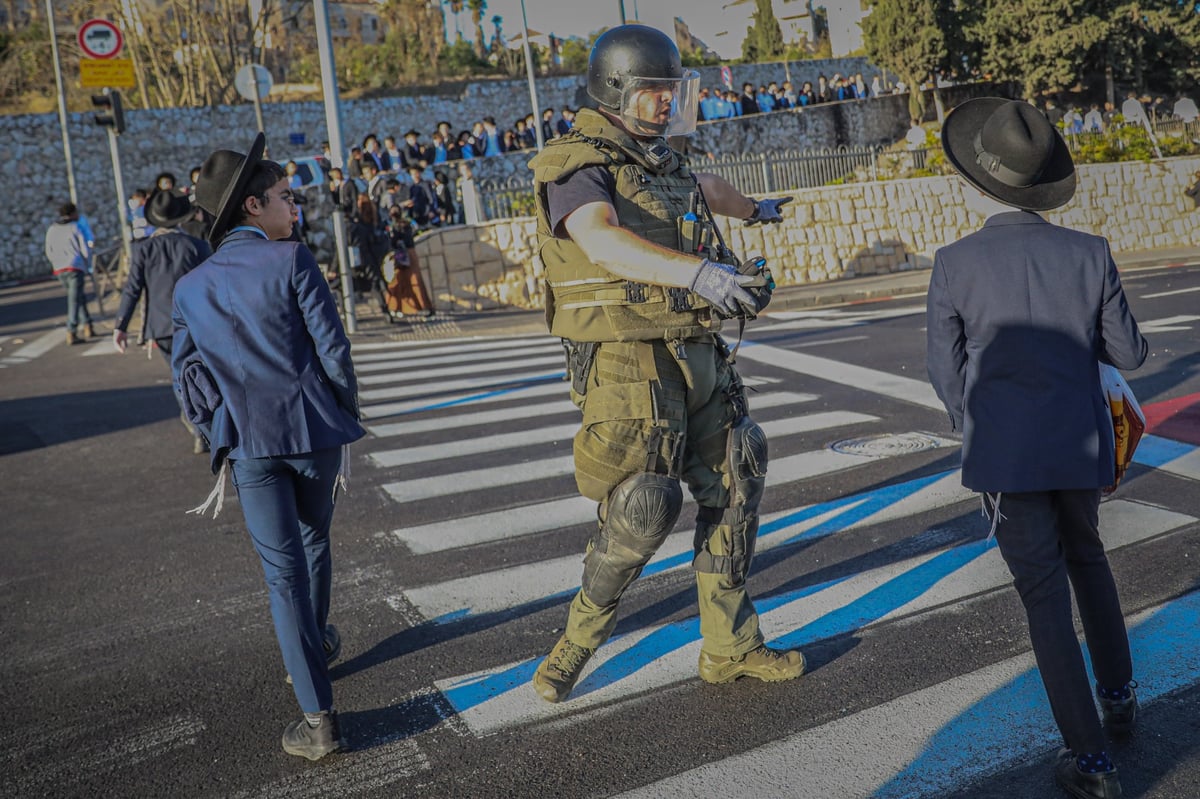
491	137
766	103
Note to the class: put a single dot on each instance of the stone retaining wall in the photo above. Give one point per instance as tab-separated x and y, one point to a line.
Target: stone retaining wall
177	139
840	232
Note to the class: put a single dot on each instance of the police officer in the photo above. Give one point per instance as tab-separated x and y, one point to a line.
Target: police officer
637	289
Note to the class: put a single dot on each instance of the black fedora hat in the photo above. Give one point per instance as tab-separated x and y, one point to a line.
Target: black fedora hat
168	208
1010	152
222	181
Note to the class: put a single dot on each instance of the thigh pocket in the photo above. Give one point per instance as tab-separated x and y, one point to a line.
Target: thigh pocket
612	443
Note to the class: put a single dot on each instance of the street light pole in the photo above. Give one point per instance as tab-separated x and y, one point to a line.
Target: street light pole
337	149
533	100
62	104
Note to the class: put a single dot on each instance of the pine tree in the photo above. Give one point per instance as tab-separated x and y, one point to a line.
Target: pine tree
1040	45
907	37
764	39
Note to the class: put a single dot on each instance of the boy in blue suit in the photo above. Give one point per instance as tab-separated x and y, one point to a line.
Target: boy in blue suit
1019	314
262	366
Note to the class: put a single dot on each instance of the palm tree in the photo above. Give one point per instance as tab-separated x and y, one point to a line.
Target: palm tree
456	7
477	8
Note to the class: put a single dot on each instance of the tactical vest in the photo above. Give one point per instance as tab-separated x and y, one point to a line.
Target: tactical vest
586	302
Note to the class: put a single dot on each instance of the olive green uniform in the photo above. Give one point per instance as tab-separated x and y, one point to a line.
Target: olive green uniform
660	400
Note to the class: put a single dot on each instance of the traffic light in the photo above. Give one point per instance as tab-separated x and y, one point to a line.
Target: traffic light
113	115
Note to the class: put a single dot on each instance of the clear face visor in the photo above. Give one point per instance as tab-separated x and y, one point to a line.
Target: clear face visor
661	106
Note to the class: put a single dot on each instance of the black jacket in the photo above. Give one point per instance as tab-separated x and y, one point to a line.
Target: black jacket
157	264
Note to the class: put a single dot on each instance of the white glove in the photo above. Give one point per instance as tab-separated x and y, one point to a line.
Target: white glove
721	286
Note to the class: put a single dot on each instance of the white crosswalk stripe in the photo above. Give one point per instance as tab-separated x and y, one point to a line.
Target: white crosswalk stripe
476	368
520	409
492	700
34	349
544	435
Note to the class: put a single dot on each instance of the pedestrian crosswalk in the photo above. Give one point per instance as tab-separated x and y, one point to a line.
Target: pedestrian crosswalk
507	402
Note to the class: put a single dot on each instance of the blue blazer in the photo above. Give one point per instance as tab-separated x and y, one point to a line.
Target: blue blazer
260	317
1019	313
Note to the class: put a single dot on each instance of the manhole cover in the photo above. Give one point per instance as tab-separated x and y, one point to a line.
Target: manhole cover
886	445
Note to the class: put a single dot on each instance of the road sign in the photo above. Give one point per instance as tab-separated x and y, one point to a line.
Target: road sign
727	77
253	78
114	73
99	38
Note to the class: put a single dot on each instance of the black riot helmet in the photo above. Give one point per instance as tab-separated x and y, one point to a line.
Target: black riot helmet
632	60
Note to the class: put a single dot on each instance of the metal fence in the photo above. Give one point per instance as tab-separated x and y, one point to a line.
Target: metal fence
785	170
1163	129
788	170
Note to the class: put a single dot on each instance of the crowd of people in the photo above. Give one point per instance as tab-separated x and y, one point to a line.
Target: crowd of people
1072	119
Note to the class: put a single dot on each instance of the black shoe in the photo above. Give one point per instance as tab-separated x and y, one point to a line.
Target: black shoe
313	742
1120	714
1102	785
333	647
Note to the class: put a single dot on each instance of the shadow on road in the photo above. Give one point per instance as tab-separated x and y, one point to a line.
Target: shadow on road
31	423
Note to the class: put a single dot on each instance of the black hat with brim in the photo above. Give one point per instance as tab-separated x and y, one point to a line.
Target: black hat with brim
169	208
1010	152
222	182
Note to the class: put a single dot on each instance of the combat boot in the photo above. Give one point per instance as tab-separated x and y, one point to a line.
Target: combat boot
763	663
72	338
88	331
302	739
558	673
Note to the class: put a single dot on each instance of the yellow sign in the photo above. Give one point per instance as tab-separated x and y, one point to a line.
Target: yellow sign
112	73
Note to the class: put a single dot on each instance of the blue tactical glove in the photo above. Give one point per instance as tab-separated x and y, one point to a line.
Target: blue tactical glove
734	291
767	211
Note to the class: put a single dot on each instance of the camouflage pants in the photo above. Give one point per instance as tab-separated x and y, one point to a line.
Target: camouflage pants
664	407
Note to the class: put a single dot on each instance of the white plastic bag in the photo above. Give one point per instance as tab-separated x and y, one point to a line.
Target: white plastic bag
1129	423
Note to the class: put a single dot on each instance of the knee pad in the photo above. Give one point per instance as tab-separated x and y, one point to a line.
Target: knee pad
737	531
747	463
638	515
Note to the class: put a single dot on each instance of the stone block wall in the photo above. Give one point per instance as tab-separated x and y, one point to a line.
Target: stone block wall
840	232
177	139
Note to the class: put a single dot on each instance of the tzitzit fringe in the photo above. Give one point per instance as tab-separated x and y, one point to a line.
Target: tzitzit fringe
343	475
216	495
996	516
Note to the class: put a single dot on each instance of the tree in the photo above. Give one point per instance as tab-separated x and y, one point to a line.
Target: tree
764	38
478	7
1153	44
1041	46
907	37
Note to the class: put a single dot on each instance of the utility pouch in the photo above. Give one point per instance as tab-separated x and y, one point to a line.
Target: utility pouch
691	235
580	355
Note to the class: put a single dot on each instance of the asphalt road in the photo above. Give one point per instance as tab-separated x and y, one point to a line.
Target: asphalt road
139	660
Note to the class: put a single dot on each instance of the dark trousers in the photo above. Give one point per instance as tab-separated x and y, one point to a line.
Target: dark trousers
73	281
288	505
1051	543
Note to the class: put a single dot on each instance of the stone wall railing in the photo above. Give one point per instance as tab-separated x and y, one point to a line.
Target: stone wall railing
840	232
